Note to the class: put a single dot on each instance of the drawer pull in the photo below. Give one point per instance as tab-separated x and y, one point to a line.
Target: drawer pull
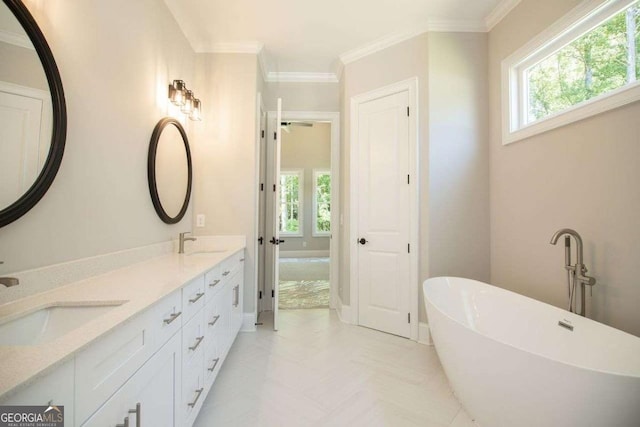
137	412
214	283
215	319
215	363
198	393
197	344
126	423
226	273
236	295
241	259
171	318
198	296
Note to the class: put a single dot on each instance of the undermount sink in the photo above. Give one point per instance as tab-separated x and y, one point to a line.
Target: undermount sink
207	252
48	323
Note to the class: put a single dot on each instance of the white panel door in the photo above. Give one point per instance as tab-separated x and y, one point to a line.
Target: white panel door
384	214
276	216
20	157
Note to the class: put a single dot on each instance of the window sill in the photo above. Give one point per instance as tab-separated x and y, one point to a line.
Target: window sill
601	104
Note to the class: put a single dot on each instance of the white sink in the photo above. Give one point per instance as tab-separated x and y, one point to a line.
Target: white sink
207	252
49	323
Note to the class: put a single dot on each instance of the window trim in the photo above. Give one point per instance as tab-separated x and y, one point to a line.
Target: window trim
584	17
300	173
314	228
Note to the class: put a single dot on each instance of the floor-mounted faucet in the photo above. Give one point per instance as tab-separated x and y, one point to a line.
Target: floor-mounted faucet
9	281
183	239
575	273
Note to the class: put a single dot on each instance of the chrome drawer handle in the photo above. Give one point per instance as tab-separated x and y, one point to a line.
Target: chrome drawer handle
171	318
215	282
215	363
199	392
236	295
241	259
126	423
137	412
226	273
198	296
197	344
215	319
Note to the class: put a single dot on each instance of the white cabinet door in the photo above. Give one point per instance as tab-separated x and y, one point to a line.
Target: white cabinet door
147	399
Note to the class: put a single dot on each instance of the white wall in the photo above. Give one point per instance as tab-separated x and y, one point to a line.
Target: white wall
116	59
303	96
224	153
583	175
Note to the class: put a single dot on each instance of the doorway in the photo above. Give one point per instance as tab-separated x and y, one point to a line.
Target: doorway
302	204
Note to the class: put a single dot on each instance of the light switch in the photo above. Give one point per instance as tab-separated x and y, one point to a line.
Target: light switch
200	220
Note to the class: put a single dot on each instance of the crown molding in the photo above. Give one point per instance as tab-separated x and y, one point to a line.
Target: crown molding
16	39
301	77
499	12
380	44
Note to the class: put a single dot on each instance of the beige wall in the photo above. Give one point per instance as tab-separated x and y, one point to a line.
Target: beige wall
115	68
306	148
583	175
225	152
303	96
400	62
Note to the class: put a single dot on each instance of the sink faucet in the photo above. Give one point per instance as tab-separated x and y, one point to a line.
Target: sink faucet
9	281
575	273
183	239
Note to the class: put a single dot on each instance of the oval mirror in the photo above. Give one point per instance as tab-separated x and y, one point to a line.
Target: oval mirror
169	170
33	121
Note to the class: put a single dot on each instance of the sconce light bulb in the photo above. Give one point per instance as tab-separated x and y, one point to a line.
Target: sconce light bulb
196	112
187	107
177	92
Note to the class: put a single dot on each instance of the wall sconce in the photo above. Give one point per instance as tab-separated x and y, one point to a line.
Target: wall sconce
185	99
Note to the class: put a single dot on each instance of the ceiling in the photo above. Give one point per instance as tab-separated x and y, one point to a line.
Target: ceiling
313	39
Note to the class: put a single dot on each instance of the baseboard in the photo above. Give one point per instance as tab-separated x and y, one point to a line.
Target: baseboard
248	322
343	311
304	254
424	334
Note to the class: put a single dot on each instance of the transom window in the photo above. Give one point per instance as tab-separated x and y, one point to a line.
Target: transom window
586	63
291	190
321	202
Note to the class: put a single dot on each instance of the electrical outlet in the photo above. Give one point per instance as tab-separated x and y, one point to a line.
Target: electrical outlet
200	220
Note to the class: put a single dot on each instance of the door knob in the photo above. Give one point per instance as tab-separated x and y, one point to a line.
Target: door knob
362	241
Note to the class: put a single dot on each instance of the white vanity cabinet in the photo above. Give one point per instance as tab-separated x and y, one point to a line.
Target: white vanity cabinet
156	368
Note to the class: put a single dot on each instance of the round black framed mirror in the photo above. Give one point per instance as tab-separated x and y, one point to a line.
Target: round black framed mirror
31	158
169	170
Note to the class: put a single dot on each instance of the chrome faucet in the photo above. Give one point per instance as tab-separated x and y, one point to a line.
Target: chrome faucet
9	281
183	239
575	273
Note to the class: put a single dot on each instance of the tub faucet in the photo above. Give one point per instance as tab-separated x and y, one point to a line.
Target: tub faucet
183	239
9	281
575	273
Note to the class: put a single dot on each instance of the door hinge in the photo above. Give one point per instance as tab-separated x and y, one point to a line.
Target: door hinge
261	240
261	187
408	248
408	112
408	317
408	179
260	295
262	134
273	293
275	136
274	187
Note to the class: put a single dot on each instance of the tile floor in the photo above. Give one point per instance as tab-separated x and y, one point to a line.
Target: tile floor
318	371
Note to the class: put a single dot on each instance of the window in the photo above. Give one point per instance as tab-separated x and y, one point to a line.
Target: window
321	203
586	63
291	187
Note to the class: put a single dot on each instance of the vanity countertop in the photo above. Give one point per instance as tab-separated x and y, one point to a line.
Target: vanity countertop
140	285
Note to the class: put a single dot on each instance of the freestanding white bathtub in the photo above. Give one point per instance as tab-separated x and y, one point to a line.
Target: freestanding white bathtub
512	365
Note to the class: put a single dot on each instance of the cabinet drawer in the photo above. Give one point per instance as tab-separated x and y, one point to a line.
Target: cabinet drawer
193	339
192	298
193	393
148	397
166	317
55	388
212	362
107	364
232	265
213	282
